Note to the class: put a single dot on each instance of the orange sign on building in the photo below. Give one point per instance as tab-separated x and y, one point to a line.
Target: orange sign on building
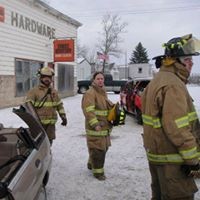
2	14
64	50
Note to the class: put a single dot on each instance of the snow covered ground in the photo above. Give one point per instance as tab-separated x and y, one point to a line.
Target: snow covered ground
126	166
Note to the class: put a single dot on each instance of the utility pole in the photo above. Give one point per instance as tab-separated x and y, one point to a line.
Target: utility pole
126	67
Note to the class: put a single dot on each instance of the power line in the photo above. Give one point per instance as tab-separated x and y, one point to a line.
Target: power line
133	11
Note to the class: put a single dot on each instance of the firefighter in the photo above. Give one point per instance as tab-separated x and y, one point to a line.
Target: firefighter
171	126
47	103
96	106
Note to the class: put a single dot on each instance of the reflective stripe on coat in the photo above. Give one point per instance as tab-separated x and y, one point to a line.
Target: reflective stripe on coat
95	106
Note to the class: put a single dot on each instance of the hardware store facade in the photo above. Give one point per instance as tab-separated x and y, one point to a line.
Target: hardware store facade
28	29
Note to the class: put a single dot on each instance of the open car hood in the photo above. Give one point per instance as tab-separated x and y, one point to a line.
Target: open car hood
27	113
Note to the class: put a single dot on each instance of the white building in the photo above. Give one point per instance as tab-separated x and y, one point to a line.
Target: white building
142	70
28	29
123	71
84	69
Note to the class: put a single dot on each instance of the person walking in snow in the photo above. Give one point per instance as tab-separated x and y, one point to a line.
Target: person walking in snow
47	103
95	106
170	123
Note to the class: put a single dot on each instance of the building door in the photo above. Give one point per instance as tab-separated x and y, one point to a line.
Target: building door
65	78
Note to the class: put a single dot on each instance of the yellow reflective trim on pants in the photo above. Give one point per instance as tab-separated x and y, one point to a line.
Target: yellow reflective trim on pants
190	153
148	120
48	121
101	112
97	133
93	121
98	171
185	120
89	108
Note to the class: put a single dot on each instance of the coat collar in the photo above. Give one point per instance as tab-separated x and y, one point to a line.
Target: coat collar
100	90
178	69
42	86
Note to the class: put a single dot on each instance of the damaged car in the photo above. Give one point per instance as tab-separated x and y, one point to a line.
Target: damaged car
25	157
130	96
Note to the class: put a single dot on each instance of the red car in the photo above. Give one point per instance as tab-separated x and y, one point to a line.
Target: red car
130	97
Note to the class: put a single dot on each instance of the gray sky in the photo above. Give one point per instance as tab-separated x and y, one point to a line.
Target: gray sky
151	22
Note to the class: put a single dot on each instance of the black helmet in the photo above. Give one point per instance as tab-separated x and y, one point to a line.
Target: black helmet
181	46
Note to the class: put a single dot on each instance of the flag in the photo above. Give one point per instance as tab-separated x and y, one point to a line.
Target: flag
102	56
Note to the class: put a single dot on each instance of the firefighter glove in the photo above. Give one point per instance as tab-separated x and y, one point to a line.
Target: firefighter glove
191	170
64	121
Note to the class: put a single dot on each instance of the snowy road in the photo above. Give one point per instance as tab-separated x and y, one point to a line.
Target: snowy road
126	166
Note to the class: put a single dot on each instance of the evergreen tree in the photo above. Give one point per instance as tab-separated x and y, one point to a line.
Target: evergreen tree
139	55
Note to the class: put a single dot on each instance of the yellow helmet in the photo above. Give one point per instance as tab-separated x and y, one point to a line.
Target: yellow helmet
46	71
116	115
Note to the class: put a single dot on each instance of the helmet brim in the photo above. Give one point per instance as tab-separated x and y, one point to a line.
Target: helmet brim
163	56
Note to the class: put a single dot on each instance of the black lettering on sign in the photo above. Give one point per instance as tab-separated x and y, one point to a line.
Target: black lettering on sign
63	49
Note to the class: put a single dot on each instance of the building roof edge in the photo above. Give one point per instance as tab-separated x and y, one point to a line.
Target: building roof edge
57	13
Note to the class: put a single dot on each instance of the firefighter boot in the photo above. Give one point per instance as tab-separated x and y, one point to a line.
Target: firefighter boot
100	177
89	166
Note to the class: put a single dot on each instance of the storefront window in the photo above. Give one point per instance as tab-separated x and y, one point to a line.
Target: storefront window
26	75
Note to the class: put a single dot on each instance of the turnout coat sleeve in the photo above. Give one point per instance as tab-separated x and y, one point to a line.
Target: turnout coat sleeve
175	108
88	107
59	106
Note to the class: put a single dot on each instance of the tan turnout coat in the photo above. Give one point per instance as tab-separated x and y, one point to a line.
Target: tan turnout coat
171	126
47	103
95	106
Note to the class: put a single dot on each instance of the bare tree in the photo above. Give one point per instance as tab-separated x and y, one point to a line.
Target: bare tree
109	44
91	56
82	50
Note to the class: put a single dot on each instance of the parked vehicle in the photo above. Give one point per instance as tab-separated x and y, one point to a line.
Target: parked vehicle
110	84
25	157
130	97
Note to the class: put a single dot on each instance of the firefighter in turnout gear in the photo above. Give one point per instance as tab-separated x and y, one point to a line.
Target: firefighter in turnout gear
170	122
96	106
47	103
